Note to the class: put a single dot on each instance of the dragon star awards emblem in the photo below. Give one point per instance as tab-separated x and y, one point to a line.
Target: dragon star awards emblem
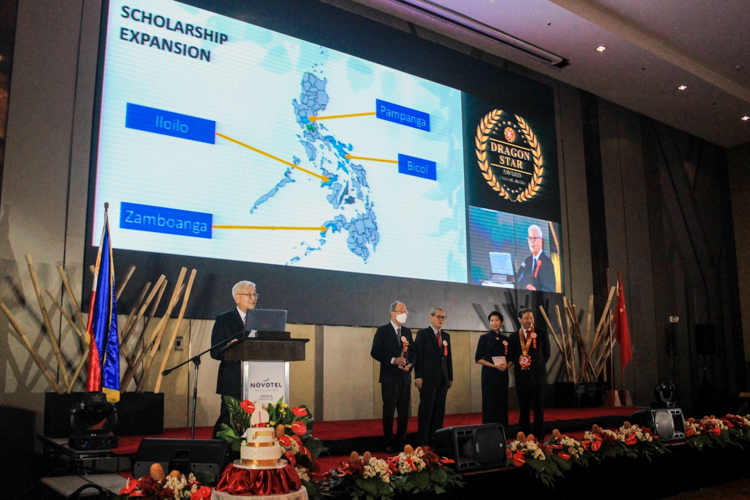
511	163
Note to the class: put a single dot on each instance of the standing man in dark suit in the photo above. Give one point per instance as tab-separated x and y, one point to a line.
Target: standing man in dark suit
229	324
433	371
530	353
392	347
537	271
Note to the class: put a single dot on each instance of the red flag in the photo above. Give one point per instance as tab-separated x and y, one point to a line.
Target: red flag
622	332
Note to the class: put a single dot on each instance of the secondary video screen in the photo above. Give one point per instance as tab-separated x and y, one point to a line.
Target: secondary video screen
513	251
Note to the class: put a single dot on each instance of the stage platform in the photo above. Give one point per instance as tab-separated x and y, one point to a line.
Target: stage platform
344	436
681	469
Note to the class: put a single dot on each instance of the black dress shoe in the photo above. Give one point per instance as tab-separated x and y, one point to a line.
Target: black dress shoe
390	449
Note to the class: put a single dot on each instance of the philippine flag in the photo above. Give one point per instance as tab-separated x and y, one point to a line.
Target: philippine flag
104	350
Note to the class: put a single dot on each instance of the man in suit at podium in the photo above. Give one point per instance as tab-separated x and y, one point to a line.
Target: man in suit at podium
229	324
392	347
433	372
537	271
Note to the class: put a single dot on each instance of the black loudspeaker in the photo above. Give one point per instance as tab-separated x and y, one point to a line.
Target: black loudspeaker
667	423
184	455
705	339
472	446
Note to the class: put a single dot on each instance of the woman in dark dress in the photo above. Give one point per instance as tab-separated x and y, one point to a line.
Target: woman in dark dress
494	376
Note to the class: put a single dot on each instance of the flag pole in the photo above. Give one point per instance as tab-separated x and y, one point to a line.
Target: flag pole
613	398
624	393
611	336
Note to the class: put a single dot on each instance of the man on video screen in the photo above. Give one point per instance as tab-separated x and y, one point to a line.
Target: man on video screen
536	272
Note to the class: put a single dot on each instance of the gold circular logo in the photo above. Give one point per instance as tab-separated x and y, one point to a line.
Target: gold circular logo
513	170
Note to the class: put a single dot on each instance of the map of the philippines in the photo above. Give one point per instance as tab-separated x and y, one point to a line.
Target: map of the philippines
347	185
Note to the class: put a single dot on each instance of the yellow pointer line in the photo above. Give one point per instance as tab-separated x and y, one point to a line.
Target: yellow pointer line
350	157
323	177
332	117
322	229
514	169
509	144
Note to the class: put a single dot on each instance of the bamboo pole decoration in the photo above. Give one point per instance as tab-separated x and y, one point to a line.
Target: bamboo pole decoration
47	322
606	308
568	356
576	339
66	316
601	361
155	339
124	282
37	359
175	331
571	353
135	357
159	331
73	300
588	319
130	324
599	335
161	283
151	314
554	336
79	368
571	333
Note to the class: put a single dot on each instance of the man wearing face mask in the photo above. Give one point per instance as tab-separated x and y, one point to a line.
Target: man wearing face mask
227	325
392	347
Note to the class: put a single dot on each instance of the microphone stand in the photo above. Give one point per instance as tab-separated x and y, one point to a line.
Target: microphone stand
196	360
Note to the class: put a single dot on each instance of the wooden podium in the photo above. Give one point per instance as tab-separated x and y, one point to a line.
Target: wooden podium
265	364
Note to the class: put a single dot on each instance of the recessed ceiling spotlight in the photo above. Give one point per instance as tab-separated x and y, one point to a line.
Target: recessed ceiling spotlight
601	48
745	118
682	87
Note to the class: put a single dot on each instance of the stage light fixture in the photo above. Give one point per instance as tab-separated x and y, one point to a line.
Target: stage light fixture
601	48
664	391
745	118
93	419
682	87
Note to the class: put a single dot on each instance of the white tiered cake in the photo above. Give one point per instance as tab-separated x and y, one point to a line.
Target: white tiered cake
260	447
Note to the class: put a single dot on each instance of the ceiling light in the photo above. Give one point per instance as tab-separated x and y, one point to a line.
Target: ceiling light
682	87
745	118
601	48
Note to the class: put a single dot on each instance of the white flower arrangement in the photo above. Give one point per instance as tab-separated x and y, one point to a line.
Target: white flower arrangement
530	447
571	446
178	485
377	468
302	474
637	431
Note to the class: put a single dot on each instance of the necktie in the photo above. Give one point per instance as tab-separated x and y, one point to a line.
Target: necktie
398	333
440	341
533	269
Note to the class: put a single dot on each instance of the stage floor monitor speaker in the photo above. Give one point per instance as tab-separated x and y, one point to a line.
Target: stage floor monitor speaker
184	455
472	446
667	423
